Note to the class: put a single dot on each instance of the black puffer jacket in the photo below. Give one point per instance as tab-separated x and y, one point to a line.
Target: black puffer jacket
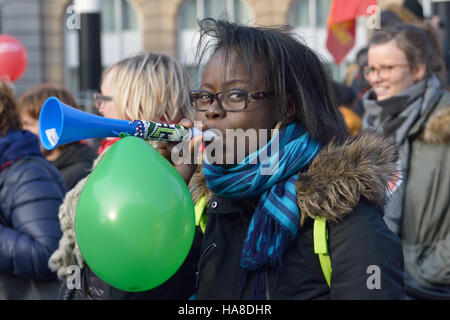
30	194
346	185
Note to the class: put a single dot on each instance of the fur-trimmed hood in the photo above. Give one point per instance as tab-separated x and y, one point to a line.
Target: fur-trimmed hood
437	128
337	178
340	175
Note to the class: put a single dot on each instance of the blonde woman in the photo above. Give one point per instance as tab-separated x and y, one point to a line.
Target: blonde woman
147	87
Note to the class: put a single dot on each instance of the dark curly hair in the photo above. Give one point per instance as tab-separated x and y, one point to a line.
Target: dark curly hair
291	70
9	116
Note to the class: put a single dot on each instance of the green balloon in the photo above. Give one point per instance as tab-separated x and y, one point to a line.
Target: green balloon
135	217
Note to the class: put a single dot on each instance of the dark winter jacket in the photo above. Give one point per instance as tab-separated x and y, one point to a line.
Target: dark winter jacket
346	185
31	191
75	162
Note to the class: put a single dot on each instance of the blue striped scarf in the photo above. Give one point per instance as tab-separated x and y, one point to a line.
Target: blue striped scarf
276	218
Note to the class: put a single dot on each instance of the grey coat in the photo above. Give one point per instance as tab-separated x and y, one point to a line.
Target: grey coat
425	228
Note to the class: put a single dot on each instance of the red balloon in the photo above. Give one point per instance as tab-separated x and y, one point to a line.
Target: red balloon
13	58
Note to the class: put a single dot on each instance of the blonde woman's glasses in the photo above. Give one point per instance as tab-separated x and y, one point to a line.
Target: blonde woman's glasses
100	99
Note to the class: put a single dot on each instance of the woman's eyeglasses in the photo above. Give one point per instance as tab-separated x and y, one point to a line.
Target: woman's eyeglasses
383	72
100	99
228	100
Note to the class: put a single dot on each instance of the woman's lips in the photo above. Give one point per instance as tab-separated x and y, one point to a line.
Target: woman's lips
381	90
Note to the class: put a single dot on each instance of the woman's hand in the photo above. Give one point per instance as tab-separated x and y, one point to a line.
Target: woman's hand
182	155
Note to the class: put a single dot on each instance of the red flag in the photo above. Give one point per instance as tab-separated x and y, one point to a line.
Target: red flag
341	25
341	39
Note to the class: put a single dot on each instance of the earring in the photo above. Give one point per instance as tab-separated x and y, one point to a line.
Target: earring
279	124
277	127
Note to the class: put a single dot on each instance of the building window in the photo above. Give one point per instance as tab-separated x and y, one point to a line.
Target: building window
309	13
322	10
108	15
187	17
120	38
120	31
299	14
191	11
309	19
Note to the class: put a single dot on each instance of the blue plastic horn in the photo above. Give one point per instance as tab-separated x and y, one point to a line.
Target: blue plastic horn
60	124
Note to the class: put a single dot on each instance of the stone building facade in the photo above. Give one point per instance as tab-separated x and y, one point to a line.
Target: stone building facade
41	26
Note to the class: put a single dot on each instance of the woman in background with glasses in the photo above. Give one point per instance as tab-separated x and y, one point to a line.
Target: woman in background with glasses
151	87
407	103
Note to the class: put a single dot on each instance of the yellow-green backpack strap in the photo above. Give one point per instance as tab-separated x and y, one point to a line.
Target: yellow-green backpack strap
320	234
200	216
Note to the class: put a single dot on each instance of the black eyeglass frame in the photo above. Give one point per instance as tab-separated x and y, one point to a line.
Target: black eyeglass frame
249	97
100	97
